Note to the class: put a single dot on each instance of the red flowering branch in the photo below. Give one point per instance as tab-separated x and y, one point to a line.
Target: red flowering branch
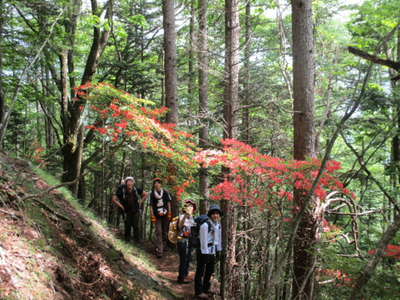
257	179
134	120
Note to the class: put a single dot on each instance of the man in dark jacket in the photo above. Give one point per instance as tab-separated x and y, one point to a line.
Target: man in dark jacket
130	199
160	201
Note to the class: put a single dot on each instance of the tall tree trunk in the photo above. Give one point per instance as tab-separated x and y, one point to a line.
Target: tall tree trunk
203	99
3	118
230	284
170	60
170	72
47	108
303	94
73	127
2	98
395	171
245	211
246	84
191	58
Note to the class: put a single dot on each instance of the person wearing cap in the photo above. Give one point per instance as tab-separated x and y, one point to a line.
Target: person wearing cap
185	224
130	199
161	214
209	251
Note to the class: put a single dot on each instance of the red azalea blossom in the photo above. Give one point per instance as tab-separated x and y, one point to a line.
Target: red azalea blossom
254	178
390	251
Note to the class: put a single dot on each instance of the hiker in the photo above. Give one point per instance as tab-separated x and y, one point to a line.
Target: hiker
208	252
130	199
119	211
161	214
185	224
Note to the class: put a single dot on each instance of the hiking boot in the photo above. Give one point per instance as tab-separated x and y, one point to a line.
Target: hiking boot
202	296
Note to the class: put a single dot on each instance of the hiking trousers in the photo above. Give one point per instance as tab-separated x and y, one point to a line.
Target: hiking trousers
204	270
162	226
185	255
132	223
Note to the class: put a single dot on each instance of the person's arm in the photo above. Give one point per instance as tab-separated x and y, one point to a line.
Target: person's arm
144	196
181	222
204	238
152	216
169	210
115	200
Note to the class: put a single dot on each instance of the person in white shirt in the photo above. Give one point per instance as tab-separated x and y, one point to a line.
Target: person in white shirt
185	225
161	214
209	251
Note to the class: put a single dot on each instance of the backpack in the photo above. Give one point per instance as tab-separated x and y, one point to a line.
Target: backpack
194	239
173	230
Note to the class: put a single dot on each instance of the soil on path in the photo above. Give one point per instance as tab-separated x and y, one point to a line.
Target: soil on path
167	268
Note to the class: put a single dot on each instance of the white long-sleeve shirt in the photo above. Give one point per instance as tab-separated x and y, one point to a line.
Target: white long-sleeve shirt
210	240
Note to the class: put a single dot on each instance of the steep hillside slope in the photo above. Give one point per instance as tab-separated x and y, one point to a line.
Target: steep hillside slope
50	248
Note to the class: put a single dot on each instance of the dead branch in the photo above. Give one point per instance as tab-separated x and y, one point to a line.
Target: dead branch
369	269
52	188
47	208
354	214
374	58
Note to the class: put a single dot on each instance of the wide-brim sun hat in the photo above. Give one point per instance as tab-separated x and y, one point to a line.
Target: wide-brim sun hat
157	180
214	208
192	203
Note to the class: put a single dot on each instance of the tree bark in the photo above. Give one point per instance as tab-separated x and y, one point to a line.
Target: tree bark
2	98
395	165
246	77
303	104
230	285
191	61
170	72
170	60
73	128
203	100
245	212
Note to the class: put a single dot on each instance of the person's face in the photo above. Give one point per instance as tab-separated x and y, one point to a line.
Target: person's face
189	209
130	184
157	185
215	216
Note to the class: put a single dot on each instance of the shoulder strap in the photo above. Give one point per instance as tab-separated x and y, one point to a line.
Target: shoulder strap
210	226
137	194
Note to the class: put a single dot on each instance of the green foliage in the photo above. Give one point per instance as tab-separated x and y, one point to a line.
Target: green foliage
133	62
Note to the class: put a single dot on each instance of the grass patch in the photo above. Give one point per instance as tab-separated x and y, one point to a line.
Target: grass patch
99	226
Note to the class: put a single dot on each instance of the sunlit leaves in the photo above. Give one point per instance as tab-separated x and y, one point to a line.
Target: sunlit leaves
136	123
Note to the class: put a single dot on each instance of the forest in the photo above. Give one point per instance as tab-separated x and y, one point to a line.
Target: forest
286	114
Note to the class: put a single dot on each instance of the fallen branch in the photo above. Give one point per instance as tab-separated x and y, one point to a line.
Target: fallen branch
40	195
47	208
13	215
